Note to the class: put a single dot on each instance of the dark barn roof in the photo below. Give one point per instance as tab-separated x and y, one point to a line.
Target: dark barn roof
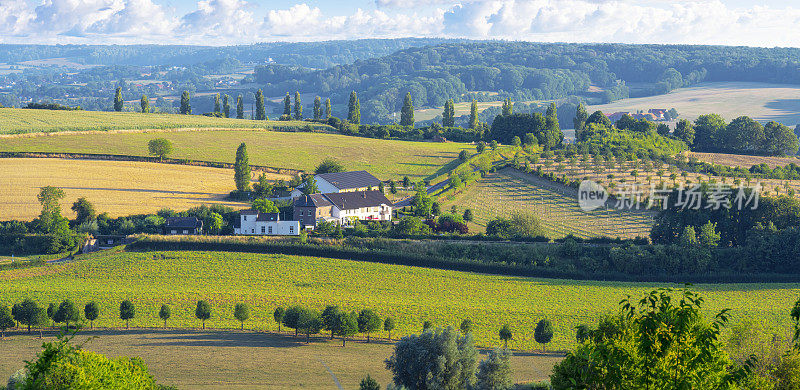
313	200
358	199
354	179
183	223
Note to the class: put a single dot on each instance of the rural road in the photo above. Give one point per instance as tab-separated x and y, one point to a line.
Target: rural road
436	187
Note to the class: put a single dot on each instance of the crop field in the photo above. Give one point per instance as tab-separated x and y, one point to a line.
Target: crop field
117	187
410	294
761	101
386	159
498	194
462	108
740	160
21	121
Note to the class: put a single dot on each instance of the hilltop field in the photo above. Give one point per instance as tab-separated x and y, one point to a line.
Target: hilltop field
410	294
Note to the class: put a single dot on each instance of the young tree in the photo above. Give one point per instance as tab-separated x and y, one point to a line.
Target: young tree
239	107
287	105
494	373
126	311
164	313
392	187
473	115
309	322
467	215
543	332
354	109
434	360
217	105
406	182
226	105
407	112
6	320
505	335
186	106
346	325
278	315
298	107
480	147
145	103
261	113
202	311
466	326
39	319
291	317
427	325
369	384
159	147
388	325
579	122
84	211
118	102
328	110
317	108
368	322
241	169
463	155
242	313
448	116
91	311
329	316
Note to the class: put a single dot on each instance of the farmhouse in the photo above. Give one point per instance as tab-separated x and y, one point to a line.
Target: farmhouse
342	208
252	222
182	225
342	182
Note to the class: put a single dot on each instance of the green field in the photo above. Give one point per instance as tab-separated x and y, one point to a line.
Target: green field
498	194
410	294
20	121
761	101
386	159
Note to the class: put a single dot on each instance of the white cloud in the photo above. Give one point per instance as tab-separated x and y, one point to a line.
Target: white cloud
240	21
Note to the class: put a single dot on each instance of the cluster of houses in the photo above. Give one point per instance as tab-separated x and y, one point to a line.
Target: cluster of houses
655	114
342	198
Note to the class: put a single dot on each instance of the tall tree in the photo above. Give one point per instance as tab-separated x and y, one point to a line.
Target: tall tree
91	311
345	325
328	110
66	313
368	322
261	113
145	103
407	112
434	360
317	108
287	105
159	147
508	107
581	115
241	169
127	311
118	102
448	116
202	311
298	107
553	135
50	219
239	107
26	311
473	115
217	105
354	109
186	106
543	332
226	105
684	131
84	211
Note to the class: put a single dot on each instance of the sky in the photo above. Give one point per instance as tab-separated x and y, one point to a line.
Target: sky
768	23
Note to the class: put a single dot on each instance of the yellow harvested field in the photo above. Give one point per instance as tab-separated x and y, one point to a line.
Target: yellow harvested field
740	160
117	187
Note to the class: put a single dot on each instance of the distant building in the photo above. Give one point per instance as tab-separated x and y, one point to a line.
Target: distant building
253	222
341	182
342	208
182	225
646	115
658	113
617	116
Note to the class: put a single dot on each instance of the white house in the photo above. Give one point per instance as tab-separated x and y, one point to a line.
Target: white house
342	208
252	222
342	182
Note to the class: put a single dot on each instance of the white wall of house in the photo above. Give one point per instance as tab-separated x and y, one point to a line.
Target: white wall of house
378	213
250	226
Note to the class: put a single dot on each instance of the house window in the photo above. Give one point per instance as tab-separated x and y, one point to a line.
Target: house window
262	230
185	232
301	213
174	231
252	230
270	230
291	229
244	217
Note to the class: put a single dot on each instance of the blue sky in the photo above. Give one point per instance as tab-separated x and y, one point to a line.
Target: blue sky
221	22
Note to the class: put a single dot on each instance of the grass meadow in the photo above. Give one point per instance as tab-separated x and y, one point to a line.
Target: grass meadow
22	121
410	294
386	159
117	187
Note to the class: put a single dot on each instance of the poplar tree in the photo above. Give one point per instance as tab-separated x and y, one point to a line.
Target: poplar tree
473	115
407	112
186	107
328	111
145	103
217	108
581	115
239	107
118	102
448	116
298	107
317	108
226	105
354	109
508	107
287	105
241	169
260	113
